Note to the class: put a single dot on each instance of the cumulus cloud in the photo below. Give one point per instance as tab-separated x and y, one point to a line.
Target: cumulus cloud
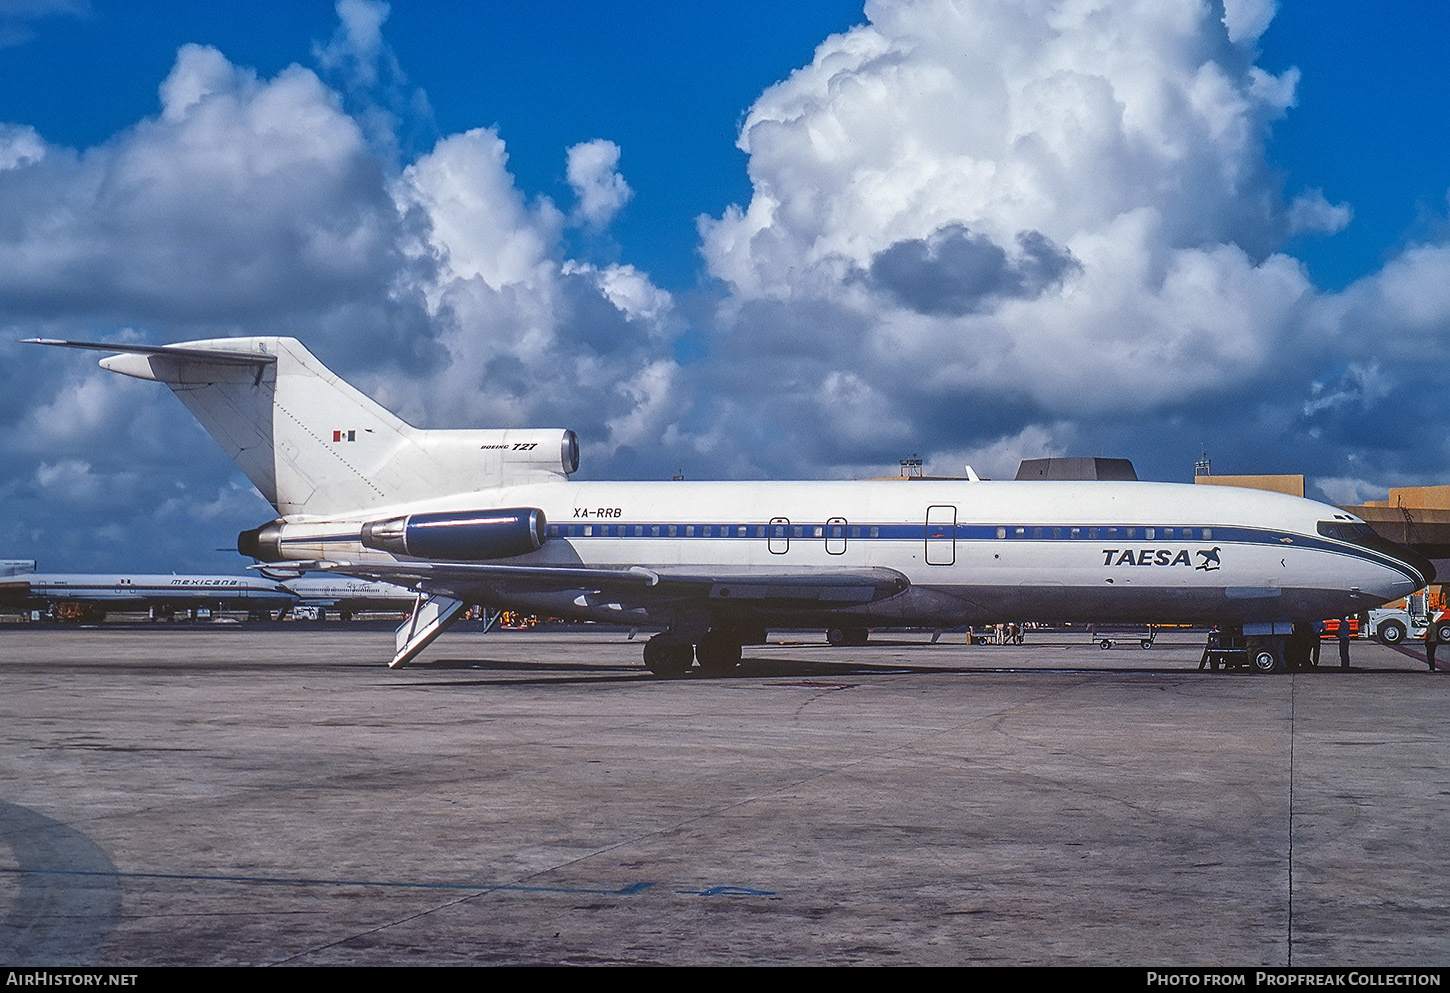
19	145
1045	208
394	114
1246	20
244	201
249	205
1310	213
1355	388
1346	491
953	272
534	336
357	47
999	459
593	172
997	214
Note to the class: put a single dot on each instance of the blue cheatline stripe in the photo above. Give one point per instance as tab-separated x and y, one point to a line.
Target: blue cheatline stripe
1051	533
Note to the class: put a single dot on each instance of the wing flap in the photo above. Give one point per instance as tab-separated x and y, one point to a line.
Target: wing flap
835	587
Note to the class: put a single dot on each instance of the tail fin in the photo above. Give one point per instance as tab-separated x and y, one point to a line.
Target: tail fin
315	446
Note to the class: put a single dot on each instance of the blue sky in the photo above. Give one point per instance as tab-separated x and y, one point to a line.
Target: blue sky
1372	124
743	240
667	82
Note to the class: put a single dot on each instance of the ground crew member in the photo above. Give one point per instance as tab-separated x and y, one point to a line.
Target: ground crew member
1432	642
1344	642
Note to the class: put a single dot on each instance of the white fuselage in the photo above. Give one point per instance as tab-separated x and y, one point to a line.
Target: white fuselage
973	551
353	594
163	590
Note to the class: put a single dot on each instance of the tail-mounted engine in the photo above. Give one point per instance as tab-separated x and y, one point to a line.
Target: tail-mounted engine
459	536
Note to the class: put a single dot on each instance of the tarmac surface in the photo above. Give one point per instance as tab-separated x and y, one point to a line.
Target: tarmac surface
272	794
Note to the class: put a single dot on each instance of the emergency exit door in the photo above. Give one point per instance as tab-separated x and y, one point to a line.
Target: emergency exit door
941	535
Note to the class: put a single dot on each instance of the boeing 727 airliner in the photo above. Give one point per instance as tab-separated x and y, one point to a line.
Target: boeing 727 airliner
83	597
492	517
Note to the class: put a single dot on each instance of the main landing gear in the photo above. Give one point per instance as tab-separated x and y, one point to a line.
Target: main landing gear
718	651
847	636
668	657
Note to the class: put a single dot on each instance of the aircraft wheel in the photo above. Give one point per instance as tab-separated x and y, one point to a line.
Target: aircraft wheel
1391	633
718	653
1145	643
668	658
836	636
1105	644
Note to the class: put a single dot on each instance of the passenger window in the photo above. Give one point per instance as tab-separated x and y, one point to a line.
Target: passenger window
1001	532
1208	534
875	532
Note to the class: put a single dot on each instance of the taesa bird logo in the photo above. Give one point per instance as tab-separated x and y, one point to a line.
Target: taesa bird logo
1210	559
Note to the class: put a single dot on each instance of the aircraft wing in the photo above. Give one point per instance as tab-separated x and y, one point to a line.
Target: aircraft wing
783	588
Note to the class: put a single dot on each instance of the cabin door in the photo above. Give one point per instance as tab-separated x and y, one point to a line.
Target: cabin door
941	535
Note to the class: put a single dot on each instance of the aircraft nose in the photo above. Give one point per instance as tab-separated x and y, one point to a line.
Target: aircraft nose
1417	564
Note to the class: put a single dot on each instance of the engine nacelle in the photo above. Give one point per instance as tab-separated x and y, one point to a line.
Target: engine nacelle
262	543
459	536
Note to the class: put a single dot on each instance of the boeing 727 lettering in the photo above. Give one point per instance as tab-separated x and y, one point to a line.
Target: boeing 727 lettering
493	517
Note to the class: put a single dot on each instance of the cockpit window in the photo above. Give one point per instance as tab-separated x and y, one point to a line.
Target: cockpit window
1346	531
1361	534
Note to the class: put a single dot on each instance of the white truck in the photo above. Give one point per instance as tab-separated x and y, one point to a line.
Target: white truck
1410	618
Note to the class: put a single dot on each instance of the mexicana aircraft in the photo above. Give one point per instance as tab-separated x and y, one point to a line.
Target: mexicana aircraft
492	517
347	596
87	597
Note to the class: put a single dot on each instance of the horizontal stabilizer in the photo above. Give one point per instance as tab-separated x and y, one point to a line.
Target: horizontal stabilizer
217	355
314	445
